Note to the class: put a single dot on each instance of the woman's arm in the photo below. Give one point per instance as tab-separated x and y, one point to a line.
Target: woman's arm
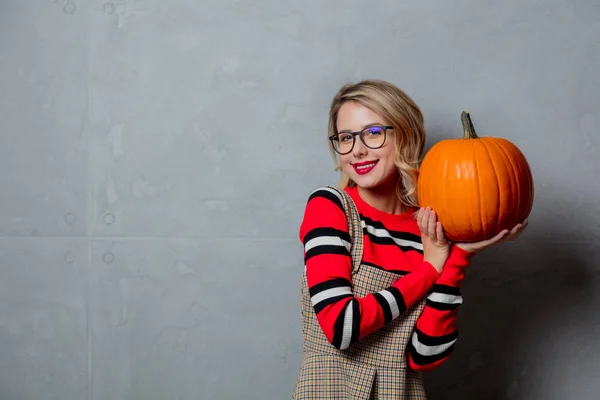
343	317
435	334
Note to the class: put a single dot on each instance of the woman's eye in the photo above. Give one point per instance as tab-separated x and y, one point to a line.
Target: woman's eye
374	131
344	138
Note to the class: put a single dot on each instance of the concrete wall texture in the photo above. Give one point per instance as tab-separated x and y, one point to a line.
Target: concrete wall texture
156	157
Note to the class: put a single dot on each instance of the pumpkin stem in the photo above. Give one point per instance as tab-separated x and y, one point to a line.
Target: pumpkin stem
468	127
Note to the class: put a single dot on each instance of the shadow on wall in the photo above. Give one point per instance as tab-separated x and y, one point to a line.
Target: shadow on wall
522	301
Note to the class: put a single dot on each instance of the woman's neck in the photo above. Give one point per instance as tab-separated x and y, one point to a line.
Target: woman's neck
383	199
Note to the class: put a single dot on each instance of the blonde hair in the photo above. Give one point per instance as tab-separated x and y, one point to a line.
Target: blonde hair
403	114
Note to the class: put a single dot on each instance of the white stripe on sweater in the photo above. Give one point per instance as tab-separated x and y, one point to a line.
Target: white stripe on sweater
391	302
445	298
326	241
425	350
329	293
347	333
383	233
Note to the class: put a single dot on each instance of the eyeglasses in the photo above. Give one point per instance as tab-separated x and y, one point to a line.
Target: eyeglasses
373	137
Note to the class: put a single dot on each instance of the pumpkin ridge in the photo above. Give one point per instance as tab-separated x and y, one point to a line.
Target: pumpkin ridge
496	185
471	206
477	169
444	184
530	185
524	170
514	182
437	160
501	201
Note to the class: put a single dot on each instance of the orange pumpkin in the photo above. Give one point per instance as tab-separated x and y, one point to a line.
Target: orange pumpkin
478	186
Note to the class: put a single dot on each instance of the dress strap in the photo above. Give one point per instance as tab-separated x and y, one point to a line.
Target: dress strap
355	228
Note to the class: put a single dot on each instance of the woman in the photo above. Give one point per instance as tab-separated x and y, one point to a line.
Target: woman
379	312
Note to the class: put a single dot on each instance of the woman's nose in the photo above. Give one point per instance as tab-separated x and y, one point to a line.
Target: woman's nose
359	148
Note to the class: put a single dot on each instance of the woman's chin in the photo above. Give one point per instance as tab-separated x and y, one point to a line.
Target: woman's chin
375	181
365	181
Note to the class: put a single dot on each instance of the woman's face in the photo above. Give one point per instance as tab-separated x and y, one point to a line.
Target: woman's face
368	168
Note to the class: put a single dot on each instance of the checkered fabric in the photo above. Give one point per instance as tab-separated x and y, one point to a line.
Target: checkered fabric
374	367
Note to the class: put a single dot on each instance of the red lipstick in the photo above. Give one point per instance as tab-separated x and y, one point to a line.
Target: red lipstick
364	167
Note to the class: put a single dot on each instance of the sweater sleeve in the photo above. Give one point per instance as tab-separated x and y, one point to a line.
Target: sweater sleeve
343	317
435	333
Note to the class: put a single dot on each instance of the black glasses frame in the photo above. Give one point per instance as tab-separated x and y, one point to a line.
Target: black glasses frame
334	138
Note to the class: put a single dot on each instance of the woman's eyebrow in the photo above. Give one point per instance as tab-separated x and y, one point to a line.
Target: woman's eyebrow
366	126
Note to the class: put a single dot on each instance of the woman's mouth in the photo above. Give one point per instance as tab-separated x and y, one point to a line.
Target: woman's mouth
364	167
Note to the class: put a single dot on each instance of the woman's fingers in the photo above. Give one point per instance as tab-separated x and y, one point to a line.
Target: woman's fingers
431	224
423	220
517	230
440	232
420	217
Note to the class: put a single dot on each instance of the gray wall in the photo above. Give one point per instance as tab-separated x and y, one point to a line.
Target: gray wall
156	157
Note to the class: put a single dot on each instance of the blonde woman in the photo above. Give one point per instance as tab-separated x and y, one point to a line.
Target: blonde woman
381	287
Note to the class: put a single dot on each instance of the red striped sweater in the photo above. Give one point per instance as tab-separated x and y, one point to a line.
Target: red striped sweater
393	243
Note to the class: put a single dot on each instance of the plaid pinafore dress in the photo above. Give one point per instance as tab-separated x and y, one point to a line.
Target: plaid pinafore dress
374	367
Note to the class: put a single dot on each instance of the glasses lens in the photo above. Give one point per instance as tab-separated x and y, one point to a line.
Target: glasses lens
374	136
344	142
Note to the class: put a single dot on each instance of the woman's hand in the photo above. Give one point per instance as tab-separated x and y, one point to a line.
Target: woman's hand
504	236
436	248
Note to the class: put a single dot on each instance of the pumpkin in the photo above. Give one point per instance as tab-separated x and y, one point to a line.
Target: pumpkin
477	186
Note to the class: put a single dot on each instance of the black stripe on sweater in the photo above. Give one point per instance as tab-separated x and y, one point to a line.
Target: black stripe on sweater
411	237
324	193
399	298
326	249
421	359
355	321
428	340
441	306
326	231
385	307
